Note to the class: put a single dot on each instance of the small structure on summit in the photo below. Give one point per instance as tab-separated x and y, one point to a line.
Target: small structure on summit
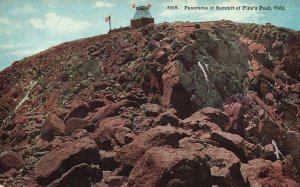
268	24
142	17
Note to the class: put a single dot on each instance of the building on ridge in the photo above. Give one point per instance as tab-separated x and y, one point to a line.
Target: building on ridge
141	17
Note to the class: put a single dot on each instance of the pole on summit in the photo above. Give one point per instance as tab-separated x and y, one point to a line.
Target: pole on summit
108	19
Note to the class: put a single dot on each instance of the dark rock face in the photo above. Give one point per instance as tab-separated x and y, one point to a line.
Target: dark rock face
198	69
181	104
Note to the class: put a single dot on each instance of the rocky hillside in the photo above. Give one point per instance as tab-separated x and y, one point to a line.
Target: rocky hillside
181	104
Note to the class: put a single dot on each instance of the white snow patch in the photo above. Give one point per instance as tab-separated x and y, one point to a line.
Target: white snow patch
205	75
277	151
270	56
31	85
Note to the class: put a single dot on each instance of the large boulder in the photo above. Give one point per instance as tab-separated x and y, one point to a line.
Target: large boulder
224	166
81	175
76	123
167	118
53	126
57	162
107	135
235	112
79	111
207	114
232	142
261	172
204	72
162	166
11	160
158	136
152	110
109	110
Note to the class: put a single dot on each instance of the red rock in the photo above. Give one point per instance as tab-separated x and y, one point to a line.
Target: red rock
236	113
111	130
159	36
263	105
268	152
11	160
167	118
290	170
254	47
158	136
208	114
232	142
11	173
3	135
135	96
256	73
80	111
97	103
267	73
154	45
108	111
52	100
108	161
162	166
57	162
277	44
224	167
271	130
191	143
161	57
152	110
261	172
291	146
39	118
80	175
79	133
296	87
182	36
38	89
170	79
114	181
116	122
101	85
21	120
145	123
53	126
76	123
215	116
270	98
255	65
250	75
165	46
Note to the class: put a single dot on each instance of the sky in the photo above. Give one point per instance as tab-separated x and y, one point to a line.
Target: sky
31	26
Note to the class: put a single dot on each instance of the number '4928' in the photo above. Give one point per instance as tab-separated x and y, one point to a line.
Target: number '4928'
172	7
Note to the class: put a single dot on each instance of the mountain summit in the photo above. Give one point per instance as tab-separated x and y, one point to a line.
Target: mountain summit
170	104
